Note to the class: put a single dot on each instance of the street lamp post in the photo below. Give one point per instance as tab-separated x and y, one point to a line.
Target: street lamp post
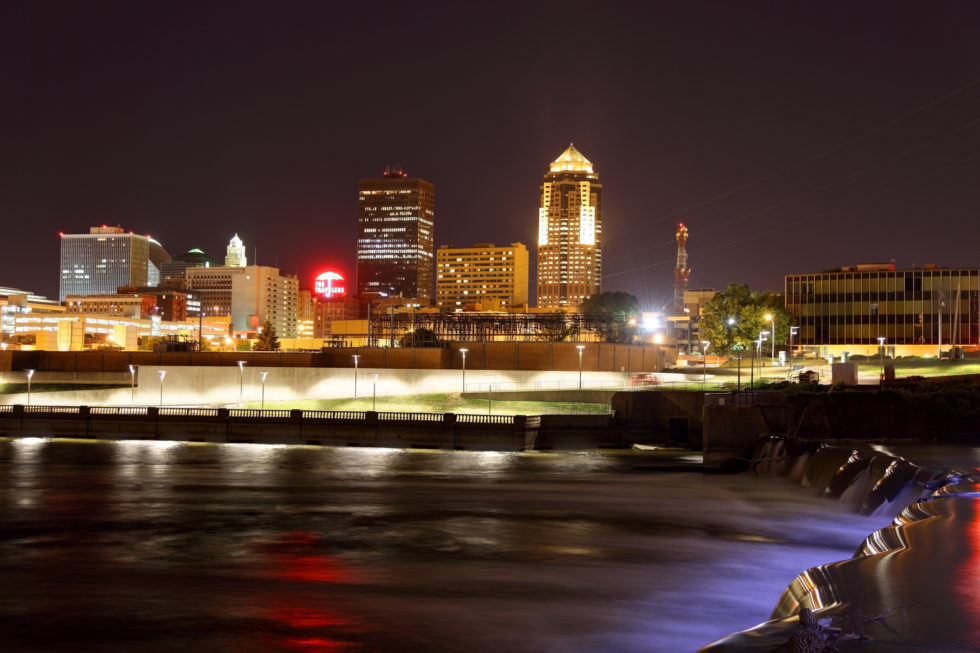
241	381
263	374
580	349
704	362
374	392
357	357
881	353
793	330
772	322
132	384
740	348
30	373
752	367
758	353
490	396
162	374
463	351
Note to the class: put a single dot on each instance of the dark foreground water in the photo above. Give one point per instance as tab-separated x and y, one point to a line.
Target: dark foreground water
147	546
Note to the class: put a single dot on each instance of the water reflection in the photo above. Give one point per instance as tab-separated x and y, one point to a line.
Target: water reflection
244	547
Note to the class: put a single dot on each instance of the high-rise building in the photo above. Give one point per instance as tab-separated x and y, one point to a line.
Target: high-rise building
490	275
100	261
569	232
395	229
250	295
235	254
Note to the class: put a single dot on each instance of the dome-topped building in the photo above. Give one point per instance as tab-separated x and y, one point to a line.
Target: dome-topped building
571	160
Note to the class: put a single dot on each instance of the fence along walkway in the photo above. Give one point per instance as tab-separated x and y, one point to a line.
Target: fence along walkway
248	414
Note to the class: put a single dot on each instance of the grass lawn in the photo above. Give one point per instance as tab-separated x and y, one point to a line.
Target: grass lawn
441	403
923	366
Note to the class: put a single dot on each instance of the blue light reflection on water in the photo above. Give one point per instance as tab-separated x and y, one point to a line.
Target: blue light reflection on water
246	547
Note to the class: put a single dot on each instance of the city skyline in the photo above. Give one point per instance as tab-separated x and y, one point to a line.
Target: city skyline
788	138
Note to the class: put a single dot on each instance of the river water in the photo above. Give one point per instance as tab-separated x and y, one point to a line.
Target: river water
151	546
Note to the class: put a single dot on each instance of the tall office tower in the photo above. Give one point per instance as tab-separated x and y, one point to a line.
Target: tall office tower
486	274
681	271
98	262
569	232
235	257
394	236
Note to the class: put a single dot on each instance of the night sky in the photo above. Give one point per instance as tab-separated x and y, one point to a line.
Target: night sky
789	136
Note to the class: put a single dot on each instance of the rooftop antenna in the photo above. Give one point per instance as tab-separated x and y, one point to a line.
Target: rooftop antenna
681	271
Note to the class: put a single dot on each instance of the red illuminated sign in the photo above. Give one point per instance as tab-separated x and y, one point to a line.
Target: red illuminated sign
329	284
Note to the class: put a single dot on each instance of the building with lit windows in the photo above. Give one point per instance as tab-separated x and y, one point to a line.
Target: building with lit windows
569	232
306	302
493	276
100	261
395	229
249	295
14	302
264	293
918	312
212	285
121	304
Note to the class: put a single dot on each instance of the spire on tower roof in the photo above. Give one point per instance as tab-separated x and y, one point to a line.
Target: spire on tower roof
571	160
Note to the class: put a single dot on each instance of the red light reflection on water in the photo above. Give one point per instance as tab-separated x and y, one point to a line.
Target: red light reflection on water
968	573
301	617
316	643
295	556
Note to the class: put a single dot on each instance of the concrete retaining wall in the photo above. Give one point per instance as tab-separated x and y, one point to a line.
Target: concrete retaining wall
217	386
515	356
342	428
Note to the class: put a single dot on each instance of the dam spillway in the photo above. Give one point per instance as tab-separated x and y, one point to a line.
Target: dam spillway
912	585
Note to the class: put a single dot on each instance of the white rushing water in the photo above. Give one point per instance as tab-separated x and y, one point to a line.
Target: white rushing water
249	547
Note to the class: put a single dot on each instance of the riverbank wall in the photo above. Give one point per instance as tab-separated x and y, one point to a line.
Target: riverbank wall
323	428
527	356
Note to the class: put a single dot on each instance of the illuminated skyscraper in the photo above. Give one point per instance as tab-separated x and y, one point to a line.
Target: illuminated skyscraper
569	232
235	255
98	262
394	236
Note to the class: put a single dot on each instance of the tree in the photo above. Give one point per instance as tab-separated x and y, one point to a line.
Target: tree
620	310
619	303
737	315
267	340
555	327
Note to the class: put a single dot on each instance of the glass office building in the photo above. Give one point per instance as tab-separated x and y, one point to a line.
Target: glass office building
916	311
99	262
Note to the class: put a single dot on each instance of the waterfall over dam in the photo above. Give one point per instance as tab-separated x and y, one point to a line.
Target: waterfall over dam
913	585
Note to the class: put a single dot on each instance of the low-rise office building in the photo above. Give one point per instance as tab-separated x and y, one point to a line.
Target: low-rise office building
918	312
